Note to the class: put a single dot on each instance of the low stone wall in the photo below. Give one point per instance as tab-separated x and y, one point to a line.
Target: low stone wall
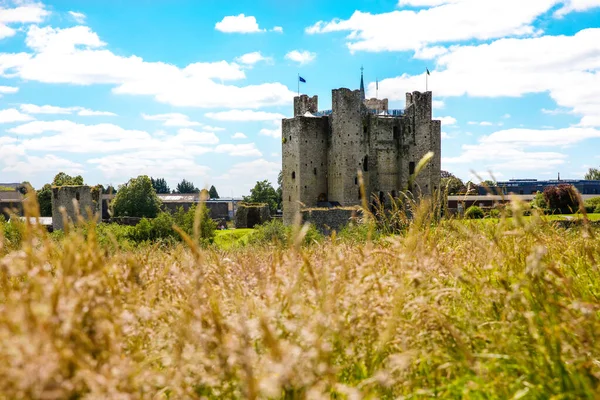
8	207
327	220
250	215
574	223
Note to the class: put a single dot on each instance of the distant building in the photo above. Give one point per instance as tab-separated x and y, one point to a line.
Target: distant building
532	186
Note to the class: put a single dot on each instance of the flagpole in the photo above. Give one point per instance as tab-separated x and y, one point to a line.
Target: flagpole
376	88
426	82
298	84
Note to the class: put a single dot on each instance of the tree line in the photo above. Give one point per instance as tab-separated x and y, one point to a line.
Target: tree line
139	196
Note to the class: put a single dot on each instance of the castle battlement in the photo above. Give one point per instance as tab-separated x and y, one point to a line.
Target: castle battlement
324	150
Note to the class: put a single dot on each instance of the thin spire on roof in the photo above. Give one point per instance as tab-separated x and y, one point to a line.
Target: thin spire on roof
362	84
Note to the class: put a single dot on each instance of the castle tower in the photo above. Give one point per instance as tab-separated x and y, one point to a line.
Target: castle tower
425	136
305	140
349	141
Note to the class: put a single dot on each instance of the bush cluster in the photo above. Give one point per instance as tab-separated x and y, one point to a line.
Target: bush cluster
592	205
275	232
474	212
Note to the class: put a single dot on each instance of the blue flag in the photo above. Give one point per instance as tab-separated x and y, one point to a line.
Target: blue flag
301	79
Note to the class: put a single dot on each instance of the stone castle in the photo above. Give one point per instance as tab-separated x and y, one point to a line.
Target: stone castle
324	150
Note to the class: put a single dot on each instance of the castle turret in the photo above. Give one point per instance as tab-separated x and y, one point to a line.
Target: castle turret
362	85
304	104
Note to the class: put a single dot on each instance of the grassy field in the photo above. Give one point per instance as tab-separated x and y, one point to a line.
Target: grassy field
229	238
451	310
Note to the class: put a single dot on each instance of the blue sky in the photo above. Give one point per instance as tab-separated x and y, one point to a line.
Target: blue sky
197	89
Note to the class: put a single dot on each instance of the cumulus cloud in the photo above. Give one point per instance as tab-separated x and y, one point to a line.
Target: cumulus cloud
278	29
446	120
22	14
301	57
13	115
454	21
77	56
519	149
244	115
238	24
239	150
33	164
239	135
252	58
78	17
172	119
562	66
8	90
55	110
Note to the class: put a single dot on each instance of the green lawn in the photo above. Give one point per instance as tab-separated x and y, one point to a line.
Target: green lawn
228	238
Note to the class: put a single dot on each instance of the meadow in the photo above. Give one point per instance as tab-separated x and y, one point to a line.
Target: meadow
444	309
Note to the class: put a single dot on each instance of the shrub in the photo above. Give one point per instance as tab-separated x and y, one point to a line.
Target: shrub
539	202
270	232
474	212
591	205
206	226
562	198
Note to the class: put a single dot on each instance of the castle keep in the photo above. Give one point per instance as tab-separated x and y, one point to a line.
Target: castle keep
324	150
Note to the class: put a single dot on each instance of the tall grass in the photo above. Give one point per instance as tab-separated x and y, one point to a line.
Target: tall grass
452	309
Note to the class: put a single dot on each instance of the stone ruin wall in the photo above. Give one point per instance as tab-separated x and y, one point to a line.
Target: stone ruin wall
327	220
85	198
251	215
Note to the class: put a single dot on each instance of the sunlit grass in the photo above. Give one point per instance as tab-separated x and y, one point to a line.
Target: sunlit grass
446	310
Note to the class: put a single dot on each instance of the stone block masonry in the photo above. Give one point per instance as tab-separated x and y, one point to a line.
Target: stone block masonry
75	200
249	215
323	155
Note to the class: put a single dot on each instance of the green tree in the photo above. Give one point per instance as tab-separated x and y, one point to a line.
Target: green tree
185	187
62	179
44	198
453	184
212	192
136	198
280	190
110	189
593	174
160	185
263	192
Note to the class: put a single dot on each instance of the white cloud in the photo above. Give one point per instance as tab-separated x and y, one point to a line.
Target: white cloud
194	137
446	136
438	104
22	14
122	166
54	110
238	24
562	66
13	115
506	116
8	89
77	56
278	29
172	119
274	133
446	120
86	112
239	135
239	150
33	165
576	5
485	123
455	21
430	53
518	149
78	17
253	170
244	115
212	128
252	58
301	57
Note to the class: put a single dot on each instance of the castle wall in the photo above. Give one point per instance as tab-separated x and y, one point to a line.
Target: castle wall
384	146
349	144
304	170
304	104
377	104
63	196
